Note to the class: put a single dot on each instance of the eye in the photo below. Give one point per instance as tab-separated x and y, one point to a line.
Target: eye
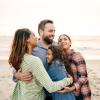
51	30
65	38
59	40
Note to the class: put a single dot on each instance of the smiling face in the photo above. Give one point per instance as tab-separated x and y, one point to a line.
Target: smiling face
48	33
49	56
64	42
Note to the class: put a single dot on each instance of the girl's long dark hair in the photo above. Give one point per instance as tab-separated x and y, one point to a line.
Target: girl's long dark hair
68	66
57	53
19	47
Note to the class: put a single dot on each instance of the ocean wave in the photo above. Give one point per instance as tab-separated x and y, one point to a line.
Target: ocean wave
87	48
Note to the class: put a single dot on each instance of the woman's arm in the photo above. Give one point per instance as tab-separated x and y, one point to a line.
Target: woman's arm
80	70
78	67
42	76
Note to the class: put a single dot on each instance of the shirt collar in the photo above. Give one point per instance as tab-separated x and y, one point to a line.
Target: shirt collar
40	44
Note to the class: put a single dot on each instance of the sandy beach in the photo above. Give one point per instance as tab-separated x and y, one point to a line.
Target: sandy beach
7	85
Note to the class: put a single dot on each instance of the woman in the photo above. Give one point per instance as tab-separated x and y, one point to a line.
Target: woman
21	57
78	66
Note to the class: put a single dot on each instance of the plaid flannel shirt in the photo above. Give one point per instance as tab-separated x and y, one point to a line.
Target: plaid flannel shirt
78	66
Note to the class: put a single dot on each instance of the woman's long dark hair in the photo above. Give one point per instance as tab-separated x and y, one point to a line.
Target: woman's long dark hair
19	47
68	66
66	60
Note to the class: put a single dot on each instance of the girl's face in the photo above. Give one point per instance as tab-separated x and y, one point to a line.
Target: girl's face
49	56
64	42
32	40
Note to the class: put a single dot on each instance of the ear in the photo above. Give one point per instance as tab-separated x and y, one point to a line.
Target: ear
41	32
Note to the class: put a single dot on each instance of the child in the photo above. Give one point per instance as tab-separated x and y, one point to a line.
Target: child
57	71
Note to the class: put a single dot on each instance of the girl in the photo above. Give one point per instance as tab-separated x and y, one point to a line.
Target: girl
57	71
21	57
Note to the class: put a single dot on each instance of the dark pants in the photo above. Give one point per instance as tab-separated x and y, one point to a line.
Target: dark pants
48	98
79	97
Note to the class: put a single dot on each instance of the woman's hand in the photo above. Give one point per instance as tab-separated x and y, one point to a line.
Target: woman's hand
65	90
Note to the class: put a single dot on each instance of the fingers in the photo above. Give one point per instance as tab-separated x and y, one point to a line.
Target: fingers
23	76
20	70
65	90
26	77
62	91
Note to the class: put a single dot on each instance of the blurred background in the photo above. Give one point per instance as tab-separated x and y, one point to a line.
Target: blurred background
80	19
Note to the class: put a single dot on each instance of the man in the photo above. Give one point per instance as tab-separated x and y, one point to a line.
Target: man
46	31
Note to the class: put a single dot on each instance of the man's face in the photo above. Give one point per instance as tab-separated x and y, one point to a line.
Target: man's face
48	33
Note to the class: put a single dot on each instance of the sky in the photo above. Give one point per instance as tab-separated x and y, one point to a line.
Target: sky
74	17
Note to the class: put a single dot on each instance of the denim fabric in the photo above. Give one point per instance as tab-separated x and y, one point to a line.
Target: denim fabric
57	72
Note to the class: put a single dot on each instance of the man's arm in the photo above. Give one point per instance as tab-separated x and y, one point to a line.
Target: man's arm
27	77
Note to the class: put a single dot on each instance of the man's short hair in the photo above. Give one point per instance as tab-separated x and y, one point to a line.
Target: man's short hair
43	23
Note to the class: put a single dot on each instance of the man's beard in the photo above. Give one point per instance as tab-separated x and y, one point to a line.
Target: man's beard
48	41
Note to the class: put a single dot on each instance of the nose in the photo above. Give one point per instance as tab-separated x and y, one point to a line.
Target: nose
53	33
62	41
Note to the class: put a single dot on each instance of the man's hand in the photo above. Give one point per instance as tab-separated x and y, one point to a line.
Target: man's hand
26	77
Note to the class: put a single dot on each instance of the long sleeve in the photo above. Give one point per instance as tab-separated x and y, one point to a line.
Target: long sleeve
42	76
78	66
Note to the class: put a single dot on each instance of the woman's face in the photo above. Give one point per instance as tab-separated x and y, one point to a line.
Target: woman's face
64	42
49	56
32	40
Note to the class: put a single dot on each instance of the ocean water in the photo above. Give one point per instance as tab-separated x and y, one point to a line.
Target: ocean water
89	46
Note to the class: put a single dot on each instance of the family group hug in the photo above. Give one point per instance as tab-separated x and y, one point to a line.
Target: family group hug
45	69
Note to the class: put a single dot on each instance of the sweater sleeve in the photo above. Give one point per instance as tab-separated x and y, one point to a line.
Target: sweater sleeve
42	76
81	71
